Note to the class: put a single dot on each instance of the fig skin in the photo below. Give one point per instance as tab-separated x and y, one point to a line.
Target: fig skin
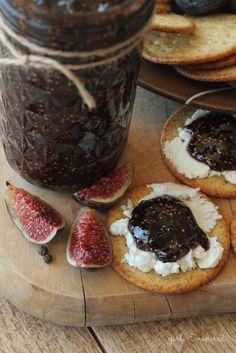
89	245
32	216
199	7
108	190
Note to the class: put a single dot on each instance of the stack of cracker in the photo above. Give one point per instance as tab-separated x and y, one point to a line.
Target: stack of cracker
201	48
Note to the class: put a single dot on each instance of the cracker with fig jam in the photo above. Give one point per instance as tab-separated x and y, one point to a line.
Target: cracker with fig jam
211	185
174	283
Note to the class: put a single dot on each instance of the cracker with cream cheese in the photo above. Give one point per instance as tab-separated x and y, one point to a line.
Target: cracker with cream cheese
174	283
211	185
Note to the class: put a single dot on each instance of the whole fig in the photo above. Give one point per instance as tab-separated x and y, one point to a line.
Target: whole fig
199	7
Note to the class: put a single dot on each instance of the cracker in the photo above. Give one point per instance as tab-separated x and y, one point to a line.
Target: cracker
214	185
231	60
172	23
215	75
233	234
162	8
174	283
213	39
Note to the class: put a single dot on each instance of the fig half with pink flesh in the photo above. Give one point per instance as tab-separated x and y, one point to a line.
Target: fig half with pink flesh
38	221
89	244
107	190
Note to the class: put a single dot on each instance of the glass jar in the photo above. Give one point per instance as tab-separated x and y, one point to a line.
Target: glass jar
49	134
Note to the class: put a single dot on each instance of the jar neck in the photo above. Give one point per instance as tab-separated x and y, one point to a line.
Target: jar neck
75	31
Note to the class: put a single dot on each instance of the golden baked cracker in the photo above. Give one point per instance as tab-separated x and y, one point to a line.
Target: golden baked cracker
215	75
214	185
172	23
228	61
174	283
213	39
162	8
233	234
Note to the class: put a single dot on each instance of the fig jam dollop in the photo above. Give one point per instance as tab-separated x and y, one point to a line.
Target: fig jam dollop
166	226
213	141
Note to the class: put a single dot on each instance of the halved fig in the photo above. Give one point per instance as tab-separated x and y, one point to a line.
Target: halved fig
107	190
89	245
38	221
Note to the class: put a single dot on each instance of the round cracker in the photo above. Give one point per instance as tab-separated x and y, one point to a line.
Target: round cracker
213	39
233	234
214	75
229	61
214	185
175	283
162	8
172	23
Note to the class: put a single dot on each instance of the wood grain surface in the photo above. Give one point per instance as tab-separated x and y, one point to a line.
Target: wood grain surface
68	296
206	334
21	333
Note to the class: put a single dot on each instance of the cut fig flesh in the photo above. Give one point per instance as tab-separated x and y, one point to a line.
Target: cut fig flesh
89	245
36	219
107	190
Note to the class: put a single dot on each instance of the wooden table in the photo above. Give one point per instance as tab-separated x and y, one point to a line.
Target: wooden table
21	333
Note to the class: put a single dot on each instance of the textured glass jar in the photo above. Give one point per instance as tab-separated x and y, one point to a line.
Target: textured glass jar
49	135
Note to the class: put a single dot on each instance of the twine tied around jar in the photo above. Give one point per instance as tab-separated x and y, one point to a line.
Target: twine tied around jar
41	57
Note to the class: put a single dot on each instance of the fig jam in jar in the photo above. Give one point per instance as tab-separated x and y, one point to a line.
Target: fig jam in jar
50	136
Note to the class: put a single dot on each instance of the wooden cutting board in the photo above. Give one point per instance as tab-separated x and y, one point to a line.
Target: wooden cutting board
66	295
